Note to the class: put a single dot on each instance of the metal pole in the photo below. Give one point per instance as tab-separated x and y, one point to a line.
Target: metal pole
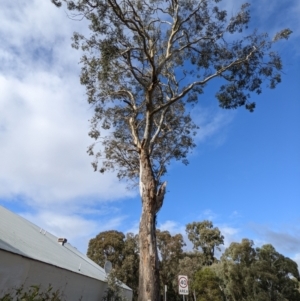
165	293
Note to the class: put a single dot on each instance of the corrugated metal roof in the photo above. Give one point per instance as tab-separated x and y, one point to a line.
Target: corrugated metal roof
19	236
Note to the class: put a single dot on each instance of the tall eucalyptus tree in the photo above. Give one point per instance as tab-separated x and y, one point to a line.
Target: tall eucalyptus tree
203	235
144	65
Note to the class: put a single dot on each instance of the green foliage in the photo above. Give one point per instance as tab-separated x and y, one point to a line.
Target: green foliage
189	265
206	285
242	273
108	245
276	273
144	66
34	293
260	274
114	290
121	251
130	265
236	272
170	252
204	236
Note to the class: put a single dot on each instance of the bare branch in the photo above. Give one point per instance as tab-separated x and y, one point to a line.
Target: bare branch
161	121
129	94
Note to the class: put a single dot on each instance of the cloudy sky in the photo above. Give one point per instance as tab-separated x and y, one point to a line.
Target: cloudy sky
244	174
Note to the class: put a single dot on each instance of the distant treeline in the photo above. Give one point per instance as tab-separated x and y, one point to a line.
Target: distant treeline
243	272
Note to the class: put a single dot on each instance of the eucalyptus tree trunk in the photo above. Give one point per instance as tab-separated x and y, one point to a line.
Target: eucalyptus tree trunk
149	269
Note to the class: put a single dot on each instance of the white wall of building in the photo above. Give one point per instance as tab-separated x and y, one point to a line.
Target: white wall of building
16	270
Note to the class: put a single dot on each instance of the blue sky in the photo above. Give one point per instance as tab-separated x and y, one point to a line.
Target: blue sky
244	174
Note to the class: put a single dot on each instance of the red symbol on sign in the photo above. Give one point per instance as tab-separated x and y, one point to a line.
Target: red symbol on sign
183	282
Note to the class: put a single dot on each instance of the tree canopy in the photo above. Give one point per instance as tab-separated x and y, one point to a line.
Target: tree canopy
145	65
122	251
146	61
207	285
257	274
170	250
204	236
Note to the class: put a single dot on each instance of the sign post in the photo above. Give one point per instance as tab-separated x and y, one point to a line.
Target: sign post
183	286
165	293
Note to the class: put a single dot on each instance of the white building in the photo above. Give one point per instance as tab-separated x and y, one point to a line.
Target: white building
31	256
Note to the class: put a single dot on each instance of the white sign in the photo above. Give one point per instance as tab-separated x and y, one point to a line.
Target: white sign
183	286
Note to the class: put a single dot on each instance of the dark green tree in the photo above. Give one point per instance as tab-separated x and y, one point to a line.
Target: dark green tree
122	251
144	65
107	245
189	265
238	271
129	272
207	286
260	274
206	237
276	274
170	252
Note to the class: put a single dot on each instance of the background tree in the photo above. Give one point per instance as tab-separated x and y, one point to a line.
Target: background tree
122	251
107	245
170	252
113	291
276	274
205	239
144	65
238	278
130	266
206	286
260	274
204	236
242	273
189	265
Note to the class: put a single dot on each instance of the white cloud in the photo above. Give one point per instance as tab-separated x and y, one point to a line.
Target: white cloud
230	234
171	226
77	229
296	258
44	127
134	228
213	124
208	214
285	239
44	115
44	139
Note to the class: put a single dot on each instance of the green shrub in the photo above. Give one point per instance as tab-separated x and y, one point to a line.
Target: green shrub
34	293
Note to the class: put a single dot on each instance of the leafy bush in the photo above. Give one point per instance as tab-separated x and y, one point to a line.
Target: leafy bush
34	293
114	291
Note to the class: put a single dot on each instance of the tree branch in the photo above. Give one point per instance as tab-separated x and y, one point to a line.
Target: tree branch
161	121
199	83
